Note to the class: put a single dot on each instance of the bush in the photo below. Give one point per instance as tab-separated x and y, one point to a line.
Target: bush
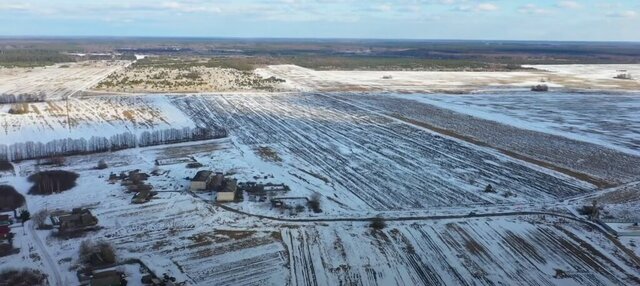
96	254
102	165
10	199
314	203
49	182
40	218
23	277
5	166
378	223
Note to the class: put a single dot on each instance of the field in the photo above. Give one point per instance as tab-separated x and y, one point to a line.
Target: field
597	164
57	81
86	117
579	77
611	120
370	148
370	161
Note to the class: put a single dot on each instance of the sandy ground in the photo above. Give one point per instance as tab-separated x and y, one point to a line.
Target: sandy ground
599	77
56	81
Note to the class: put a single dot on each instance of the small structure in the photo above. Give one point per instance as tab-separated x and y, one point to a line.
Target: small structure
387	77
78	220
143	196
107	278
5	220
540	88
228	191
201	180
288	202
623	74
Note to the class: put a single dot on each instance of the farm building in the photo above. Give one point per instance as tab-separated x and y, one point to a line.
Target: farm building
107	278
78	219
225	197
201	180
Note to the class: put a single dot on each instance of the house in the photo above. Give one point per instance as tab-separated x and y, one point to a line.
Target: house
107	278
5	220
78	219
201	180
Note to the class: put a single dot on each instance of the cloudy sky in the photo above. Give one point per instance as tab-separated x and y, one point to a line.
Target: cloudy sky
599	20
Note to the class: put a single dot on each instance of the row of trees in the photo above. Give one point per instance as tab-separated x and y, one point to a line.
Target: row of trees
6	98
64	147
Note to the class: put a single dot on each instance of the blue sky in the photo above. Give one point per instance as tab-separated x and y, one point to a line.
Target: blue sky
589	20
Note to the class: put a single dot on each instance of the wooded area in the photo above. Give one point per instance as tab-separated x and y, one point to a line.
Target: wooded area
68	146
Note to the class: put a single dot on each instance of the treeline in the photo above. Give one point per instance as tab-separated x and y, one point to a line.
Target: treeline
95	144
31	57
6	98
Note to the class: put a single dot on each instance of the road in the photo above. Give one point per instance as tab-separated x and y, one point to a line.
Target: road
593	225
52	266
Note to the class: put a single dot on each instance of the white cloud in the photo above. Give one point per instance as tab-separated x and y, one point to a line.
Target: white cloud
532	9
486	7
569	5
623	14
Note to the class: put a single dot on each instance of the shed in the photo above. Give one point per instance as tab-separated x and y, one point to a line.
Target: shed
225	197
201	180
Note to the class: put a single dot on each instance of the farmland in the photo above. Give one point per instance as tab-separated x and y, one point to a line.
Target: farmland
420	163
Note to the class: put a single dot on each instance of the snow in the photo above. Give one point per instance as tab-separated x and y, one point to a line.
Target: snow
610	120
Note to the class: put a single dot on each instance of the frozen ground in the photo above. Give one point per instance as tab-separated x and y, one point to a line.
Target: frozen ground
57	81
86	117
600	165
611	120
599	77
361	160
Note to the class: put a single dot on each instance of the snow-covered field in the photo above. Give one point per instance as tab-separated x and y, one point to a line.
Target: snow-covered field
360	160
611	120
203	244
599	77
86	117
364	159
57	81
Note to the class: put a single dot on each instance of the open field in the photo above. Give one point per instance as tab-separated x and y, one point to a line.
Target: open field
369	161
57	81
87	117
570	76
608	119
600	165
514	251
204	244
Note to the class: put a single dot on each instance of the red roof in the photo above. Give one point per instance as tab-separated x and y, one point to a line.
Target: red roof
4	229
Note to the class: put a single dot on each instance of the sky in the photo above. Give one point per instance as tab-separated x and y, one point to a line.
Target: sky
586	20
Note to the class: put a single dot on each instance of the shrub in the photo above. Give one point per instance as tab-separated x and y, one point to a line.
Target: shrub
96	254
102	165
378	223
49	182
10	199
40	218
23	277
314	203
